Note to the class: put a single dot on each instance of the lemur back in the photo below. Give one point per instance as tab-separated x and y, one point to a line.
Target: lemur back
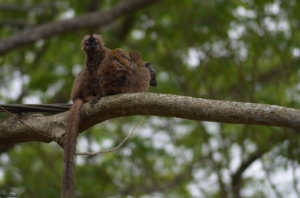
124	73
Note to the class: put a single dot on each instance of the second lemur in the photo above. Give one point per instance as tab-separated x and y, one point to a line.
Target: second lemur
123	73
85	89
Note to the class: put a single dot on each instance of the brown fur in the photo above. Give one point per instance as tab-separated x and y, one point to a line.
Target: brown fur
85	89
123	73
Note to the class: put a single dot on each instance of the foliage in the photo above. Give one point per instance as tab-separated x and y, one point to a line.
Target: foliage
233	50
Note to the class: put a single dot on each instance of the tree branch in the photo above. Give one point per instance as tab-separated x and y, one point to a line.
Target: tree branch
83	21
149	104
237	176
20	8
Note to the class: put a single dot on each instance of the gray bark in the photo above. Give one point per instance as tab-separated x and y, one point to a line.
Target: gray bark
12	131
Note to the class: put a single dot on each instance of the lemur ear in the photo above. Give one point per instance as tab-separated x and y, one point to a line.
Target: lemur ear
122	53
135	55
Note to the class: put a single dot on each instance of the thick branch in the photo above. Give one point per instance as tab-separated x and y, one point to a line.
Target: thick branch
83	21
151	104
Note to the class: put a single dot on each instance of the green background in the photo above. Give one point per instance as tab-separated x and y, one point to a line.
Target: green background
235	50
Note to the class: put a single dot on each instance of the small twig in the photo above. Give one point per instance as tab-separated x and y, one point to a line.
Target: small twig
295	182
113	149
23	122
268	178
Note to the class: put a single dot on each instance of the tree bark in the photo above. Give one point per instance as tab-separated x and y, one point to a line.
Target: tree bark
148	104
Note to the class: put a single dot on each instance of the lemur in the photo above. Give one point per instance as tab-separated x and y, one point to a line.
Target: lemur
125	73
85	89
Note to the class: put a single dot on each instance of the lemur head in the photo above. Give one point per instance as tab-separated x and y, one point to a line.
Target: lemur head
92	42
153	81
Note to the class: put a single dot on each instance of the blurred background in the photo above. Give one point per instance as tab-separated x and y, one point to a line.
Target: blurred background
235	50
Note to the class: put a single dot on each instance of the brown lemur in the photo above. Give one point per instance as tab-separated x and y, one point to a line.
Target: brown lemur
85	89
120	72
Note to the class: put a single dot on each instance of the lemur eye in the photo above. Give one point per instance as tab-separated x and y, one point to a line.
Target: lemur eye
86	43
97	41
